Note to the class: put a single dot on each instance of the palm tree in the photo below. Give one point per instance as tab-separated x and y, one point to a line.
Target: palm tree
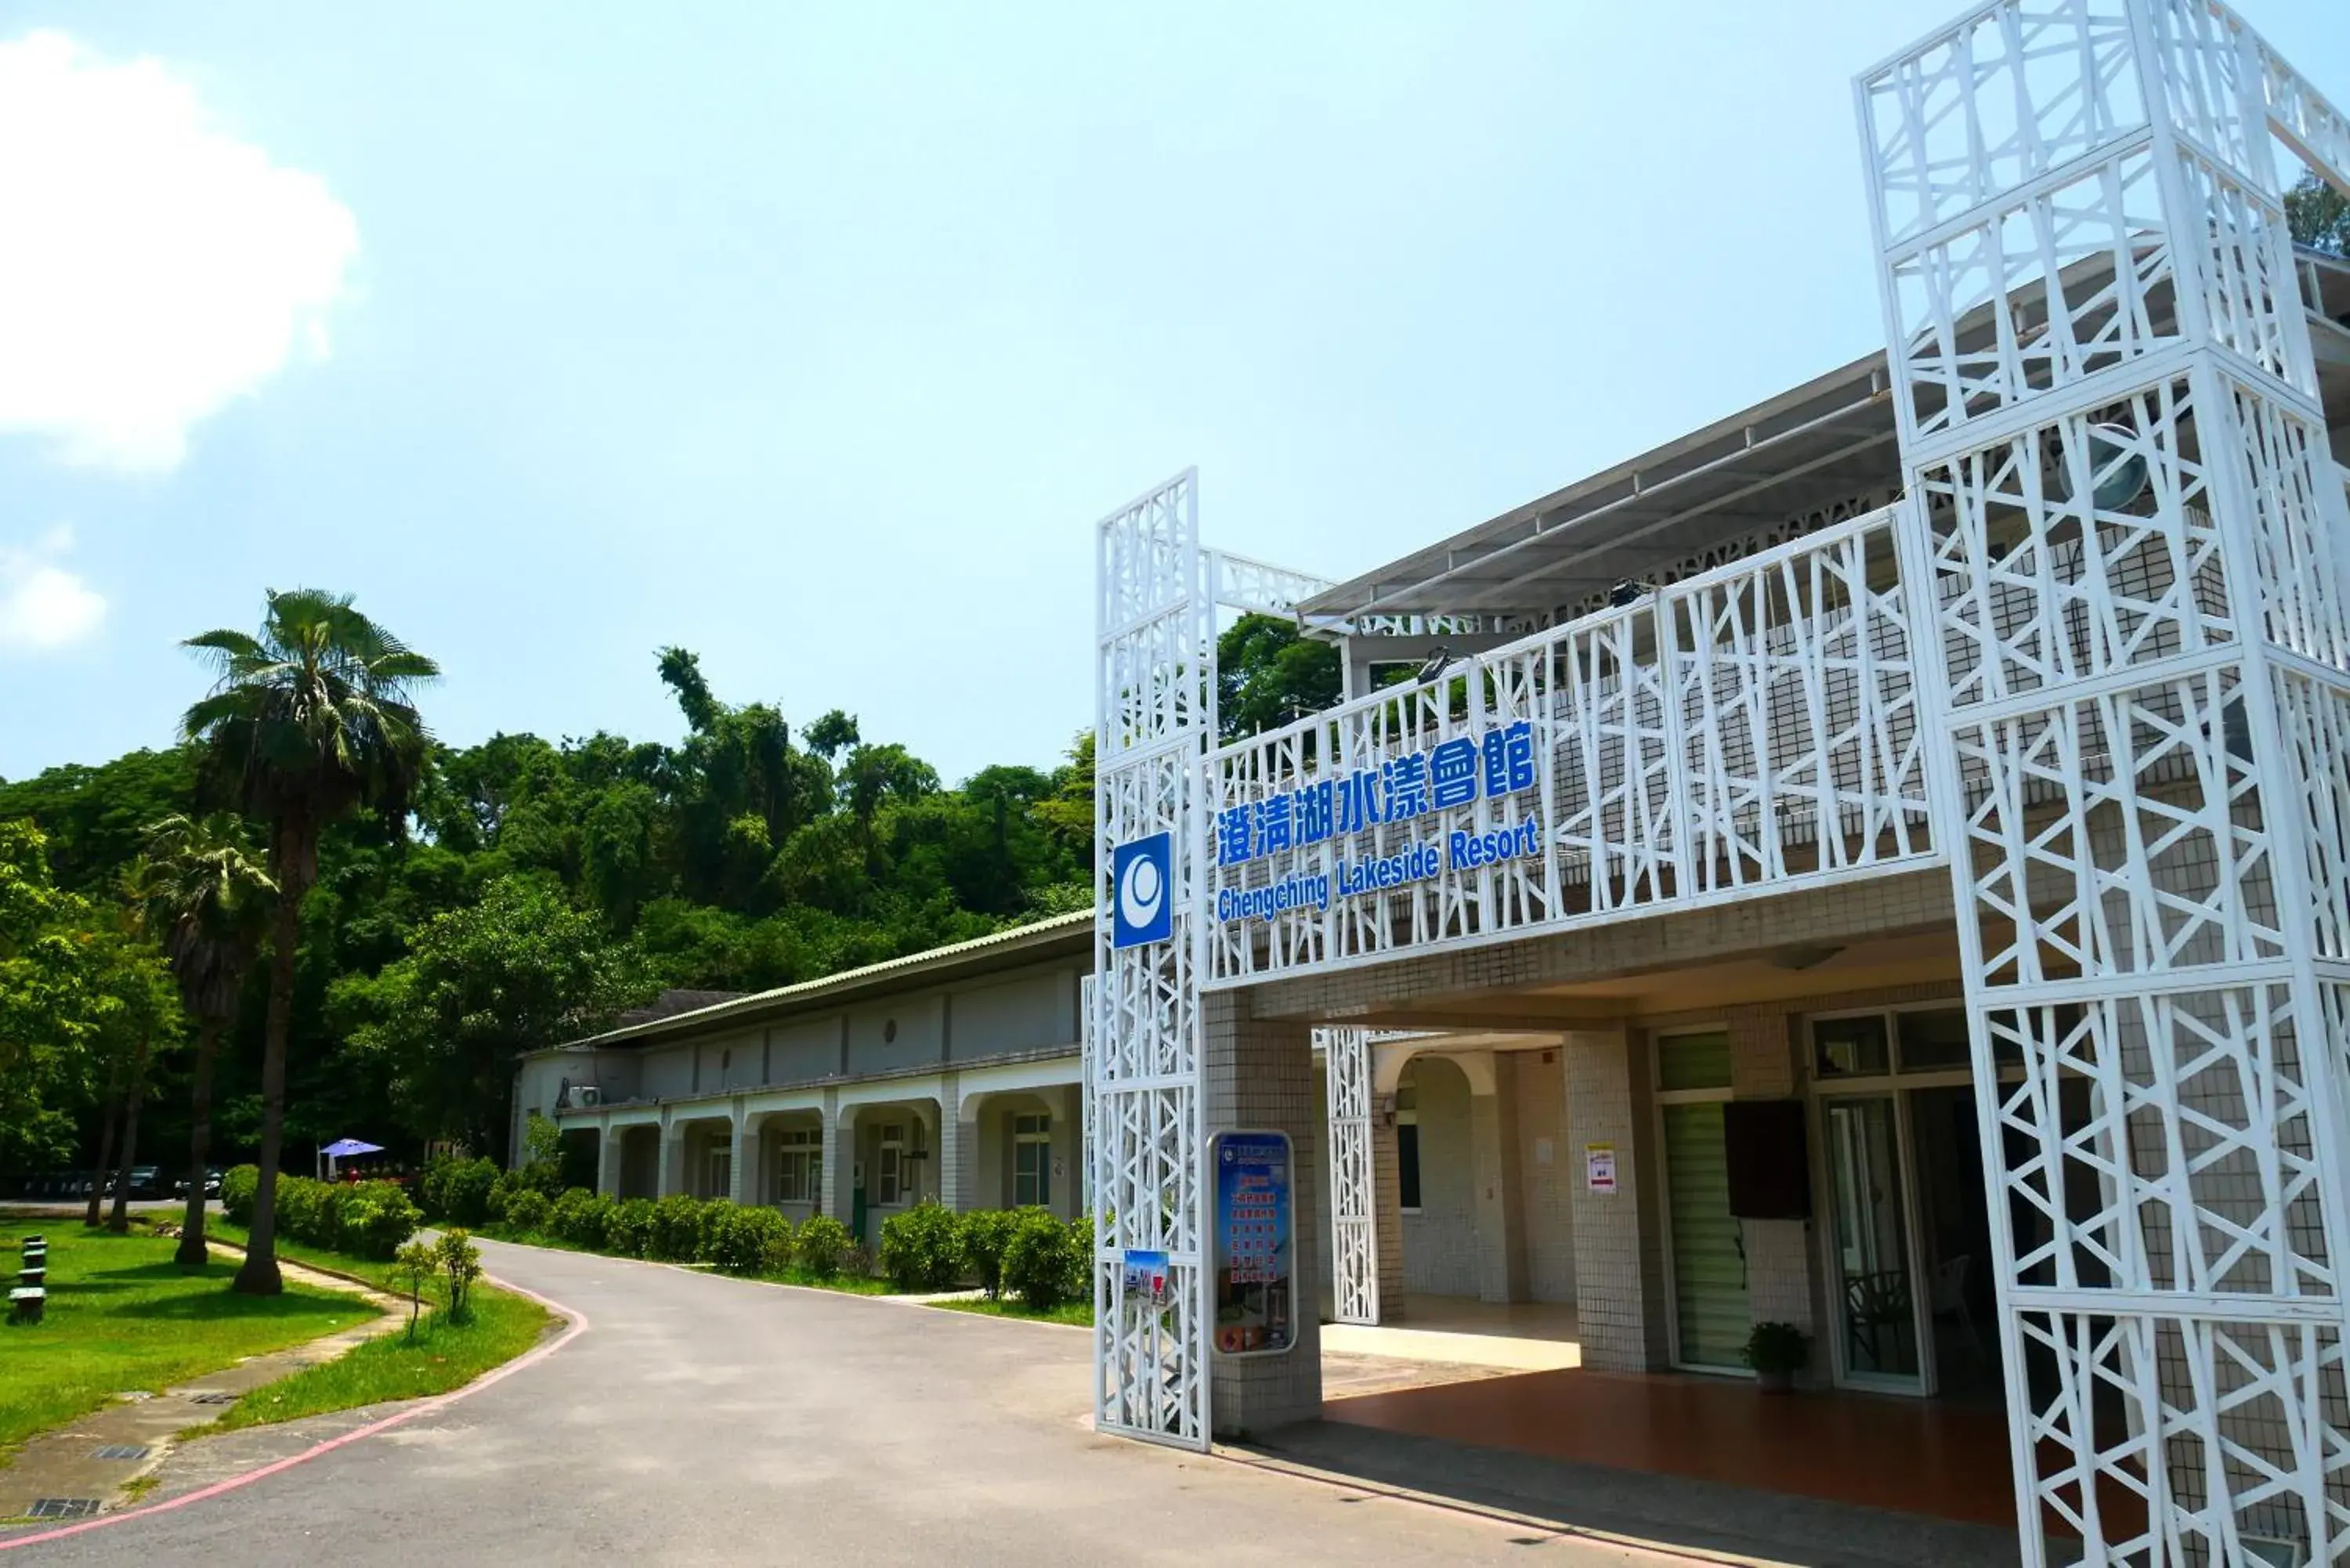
308	723
211	896
139	885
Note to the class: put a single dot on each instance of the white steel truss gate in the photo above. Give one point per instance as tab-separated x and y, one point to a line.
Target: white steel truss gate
1158	594
1354	1217
2120	489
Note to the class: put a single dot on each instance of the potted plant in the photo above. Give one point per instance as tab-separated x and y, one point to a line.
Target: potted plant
1777	1351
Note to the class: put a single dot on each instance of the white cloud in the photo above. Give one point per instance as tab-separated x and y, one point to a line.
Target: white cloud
155	267
43	607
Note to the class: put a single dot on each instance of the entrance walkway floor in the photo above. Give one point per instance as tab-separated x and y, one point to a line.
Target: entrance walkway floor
1914	1456
1556	1498
1461	1331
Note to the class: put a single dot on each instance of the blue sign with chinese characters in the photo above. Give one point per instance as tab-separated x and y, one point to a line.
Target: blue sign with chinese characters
1142	904
1254	1245
1399	790
1406	791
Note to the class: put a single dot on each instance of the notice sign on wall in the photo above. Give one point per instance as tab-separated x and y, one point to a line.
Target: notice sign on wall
1599	1167
1255	1244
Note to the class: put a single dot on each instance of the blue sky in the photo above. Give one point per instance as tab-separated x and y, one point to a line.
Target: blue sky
814	339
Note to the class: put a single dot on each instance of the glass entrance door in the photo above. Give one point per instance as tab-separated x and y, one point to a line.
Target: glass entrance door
1876	1304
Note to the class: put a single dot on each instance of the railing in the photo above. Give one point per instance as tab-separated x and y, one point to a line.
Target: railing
1753	727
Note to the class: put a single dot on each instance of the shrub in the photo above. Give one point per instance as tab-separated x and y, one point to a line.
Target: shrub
922	1249
676	1230
713	1211
741	1236
301	1208
457	1191
461	1262
239	1186
527	1211
376	1219
857	1260
501	1190
587	1223
568	1215
776	1255
417	1265
819	1246
1081	1259
629	1230
982	1235
1040	1260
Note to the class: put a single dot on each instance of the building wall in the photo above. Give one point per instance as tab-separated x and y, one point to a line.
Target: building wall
1619	1274
799	1052
1536	1083
895	1035
666	1072
1013	1015
1035	1007
1441	1239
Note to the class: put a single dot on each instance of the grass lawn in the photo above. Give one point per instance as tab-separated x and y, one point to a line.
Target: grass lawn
122	1315
1080	1314
443	1355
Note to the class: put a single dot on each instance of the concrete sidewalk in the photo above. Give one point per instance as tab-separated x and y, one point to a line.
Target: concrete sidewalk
92	1464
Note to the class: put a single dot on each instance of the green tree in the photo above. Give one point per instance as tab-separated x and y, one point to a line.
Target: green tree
1268	674
94	819
151	1012
2319	216
308	723
519	970
50	1010
1066	814
210	899
831	734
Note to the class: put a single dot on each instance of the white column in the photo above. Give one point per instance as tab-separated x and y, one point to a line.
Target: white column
1492	1148
741	1175
839	1159
608	1161
672	1159
958	1148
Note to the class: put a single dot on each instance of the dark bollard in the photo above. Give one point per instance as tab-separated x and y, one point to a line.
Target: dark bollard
25	1303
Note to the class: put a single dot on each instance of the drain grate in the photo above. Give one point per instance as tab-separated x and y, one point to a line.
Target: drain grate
211	1396
123	1451
62	1506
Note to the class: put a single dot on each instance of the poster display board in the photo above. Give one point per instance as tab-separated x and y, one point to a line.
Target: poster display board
1146	1284
1255	1245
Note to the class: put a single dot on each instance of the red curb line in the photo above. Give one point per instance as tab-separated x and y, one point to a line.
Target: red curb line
438	1402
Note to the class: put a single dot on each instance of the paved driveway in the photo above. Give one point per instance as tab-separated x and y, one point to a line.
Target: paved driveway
711	1420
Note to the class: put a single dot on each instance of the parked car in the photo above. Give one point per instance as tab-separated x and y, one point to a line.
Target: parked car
212	1184
146	1181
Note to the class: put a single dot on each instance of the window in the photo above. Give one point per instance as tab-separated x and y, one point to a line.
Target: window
1850	1047
1693	1061
1408	1147
799	1155
892	1182
719	1170
1913	1040
1934	1041
1032	1161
